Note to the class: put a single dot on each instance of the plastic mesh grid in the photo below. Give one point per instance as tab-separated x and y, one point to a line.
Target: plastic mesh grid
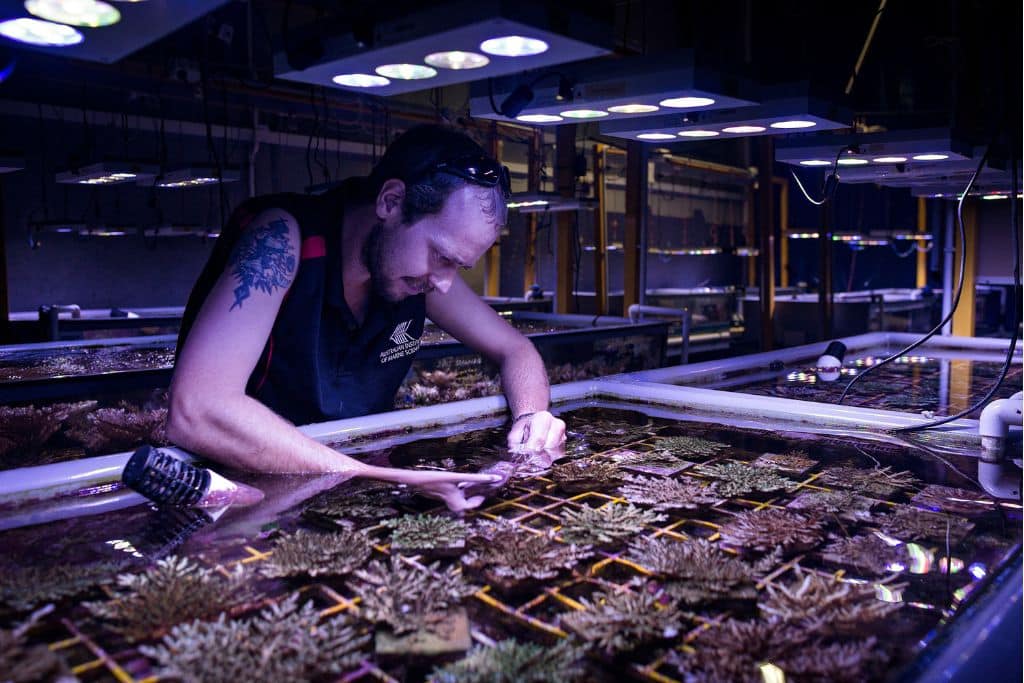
532	504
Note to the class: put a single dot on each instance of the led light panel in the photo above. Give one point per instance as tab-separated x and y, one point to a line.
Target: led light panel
107	173
459	42
193	177
880	151
627	89
774	117
539	202
141	23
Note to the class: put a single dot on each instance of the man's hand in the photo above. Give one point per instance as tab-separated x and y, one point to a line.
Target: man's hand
536	431
445	486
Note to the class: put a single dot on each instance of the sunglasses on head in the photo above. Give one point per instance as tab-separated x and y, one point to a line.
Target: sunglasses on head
481	170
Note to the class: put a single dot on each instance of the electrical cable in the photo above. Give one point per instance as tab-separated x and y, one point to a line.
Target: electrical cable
826	192
1014	306
959	289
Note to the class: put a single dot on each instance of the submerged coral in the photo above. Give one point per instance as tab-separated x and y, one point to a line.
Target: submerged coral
669	494
696	571
406	597
880	482
510	661
22	588
868	553
619	622
504	552
425	532
24	430
609	433
736	478
791	461
911	524
953	500
765	530
108	430
21	662
585	475
341	505
688	446
175	590
661	462
283	643
846	504
826	606
605	524
305	553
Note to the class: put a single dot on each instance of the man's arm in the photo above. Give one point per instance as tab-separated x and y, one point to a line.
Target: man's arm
461	313
210	412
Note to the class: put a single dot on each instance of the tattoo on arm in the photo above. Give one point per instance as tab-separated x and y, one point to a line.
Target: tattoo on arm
263	259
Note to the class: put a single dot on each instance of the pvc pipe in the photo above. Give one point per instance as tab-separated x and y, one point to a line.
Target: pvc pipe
994	424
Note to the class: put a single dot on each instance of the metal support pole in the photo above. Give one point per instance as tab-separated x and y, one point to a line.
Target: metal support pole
825	293
634	238
783	232
5	304
600	233
922	255
565	181
492	258
964	317
948	250
766	240
532	185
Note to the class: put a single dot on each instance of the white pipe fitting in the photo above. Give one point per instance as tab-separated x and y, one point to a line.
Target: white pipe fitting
995	422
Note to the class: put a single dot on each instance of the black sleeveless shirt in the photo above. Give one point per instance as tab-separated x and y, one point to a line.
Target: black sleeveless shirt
319	363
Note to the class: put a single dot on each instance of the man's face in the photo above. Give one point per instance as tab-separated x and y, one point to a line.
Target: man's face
409	259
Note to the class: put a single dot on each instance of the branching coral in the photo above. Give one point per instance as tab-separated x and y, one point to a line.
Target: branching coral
108	430
346	503
426	532
846	504
585	475
24	588
735	478
510	661
25	430
606	524
503	552
283	643
669	494
660	462
608	433
174	591
406	597
867	553
688	446
619	622
305	553
911	524
825	606
21	662
880	482
696	571
765	530
793	461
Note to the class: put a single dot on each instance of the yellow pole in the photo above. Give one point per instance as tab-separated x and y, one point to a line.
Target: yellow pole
492	258
963	318
783	231
600	233
922	228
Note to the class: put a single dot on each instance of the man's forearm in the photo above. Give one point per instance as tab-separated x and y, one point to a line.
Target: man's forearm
525	381
241	432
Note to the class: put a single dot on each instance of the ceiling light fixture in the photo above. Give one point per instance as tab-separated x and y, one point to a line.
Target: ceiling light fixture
889	160
584	113
457	59
106	173
406	72
655	136
39	32
852	162
786	115
472	41
514	46
361	80
815	162
90	13
633	109
539	118
627	89
930	157
194	177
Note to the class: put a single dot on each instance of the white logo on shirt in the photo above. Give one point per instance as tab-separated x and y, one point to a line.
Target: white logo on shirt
401	334
405	344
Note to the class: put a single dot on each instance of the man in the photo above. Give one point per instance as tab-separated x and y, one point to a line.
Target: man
311	309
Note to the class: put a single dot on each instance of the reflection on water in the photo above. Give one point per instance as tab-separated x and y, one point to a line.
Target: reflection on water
893	551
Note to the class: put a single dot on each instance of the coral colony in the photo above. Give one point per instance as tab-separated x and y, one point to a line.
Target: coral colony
622	558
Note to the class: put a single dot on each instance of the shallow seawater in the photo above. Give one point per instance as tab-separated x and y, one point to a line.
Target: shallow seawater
914	384
85	360
902	538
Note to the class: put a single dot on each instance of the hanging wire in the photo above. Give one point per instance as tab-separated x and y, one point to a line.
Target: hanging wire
959	289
